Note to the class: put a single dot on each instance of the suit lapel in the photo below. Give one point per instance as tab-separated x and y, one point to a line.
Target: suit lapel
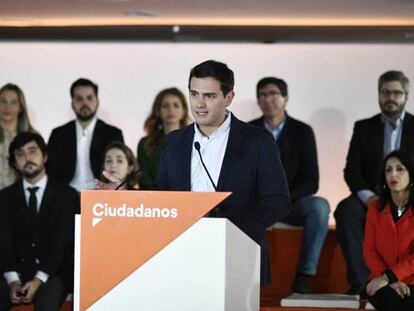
186	151
96	142
21	204
377	137
234	144
46	202
71	143
407	130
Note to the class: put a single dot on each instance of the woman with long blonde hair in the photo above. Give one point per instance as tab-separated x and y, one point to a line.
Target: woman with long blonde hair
13	120
169	112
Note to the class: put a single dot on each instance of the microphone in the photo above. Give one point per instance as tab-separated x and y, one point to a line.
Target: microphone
215	212
197	146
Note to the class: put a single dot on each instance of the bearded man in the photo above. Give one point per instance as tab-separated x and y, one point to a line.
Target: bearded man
76	148
36	231
371	141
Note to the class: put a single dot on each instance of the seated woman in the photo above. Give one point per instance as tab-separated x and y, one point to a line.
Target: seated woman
13	120
169	112
120	169
389	237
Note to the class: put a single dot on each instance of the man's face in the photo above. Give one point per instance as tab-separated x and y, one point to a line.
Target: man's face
392	99
208	104
84	103
271	101
29	160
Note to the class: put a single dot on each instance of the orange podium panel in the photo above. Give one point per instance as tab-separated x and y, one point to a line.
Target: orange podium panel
107	259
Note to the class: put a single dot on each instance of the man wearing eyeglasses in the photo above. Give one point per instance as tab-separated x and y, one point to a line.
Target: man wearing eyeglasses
297	147
371	141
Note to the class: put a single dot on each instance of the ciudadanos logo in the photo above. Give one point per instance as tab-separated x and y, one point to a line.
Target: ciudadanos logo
103	210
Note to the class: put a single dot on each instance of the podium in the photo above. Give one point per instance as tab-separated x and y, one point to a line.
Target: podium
125	261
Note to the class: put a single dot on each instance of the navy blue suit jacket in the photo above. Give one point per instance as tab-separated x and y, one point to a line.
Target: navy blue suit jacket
62	150
366	152
297	147
251	170
52	242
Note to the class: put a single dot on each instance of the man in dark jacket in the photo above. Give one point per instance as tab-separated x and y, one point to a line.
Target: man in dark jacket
297	146
36	230
371	141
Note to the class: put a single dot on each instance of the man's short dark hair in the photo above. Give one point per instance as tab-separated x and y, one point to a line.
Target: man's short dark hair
394	75
83	82
281	85
22	139
216	70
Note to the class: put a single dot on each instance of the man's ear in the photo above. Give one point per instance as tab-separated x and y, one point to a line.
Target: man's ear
229	98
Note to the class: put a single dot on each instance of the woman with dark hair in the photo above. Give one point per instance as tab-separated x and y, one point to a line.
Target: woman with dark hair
389	237
120	168
169	112
14	119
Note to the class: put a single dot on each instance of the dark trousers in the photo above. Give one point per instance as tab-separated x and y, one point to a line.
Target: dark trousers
48	297
350	218
386	299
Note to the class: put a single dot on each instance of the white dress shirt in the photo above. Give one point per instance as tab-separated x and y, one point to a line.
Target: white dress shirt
83	178
212	149
12	276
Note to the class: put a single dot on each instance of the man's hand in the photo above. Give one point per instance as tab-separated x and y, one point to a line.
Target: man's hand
401	289
113	185
30	288
376	284
16	292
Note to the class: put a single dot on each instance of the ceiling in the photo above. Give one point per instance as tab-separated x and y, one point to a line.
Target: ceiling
213	20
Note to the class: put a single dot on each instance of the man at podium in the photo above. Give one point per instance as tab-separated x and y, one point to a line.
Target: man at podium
221	153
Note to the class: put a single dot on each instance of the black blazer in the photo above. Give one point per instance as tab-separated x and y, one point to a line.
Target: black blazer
299	157
53	237
62	149
251	170
365	154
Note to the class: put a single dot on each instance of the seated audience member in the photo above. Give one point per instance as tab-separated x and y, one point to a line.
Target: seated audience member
13	119
36	230
297	147
371	141
389	237
169	112
120	167
76	148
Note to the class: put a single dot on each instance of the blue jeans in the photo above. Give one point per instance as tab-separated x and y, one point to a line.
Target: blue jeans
312	213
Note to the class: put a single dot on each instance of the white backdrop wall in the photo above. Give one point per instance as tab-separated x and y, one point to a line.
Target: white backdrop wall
330	85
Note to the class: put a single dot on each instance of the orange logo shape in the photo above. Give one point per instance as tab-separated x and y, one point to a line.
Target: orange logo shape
121	230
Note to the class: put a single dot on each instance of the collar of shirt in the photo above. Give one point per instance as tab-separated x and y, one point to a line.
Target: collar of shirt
39	193
397	123
275	131
212	149
87	131
222	129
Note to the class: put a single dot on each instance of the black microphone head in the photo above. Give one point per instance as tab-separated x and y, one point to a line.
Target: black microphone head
197	145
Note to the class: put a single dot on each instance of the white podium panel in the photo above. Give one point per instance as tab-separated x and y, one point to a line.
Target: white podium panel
212	266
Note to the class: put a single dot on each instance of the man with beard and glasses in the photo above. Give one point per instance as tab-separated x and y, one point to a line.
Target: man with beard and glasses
76	148
36	230
371	141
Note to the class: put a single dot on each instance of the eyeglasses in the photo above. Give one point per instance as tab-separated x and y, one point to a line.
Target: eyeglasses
272	94
388	93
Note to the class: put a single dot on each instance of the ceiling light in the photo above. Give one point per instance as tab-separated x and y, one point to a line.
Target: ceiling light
140	14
